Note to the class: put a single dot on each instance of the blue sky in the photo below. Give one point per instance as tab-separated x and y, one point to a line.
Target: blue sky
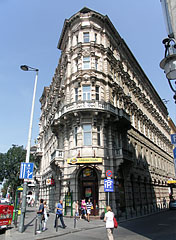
29	33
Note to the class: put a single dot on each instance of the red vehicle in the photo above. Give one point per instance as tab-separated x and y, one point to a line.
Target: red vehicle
6	213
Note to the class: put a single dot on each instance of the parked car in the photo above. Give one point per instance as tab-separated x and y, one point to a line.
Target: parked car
172	204
4	200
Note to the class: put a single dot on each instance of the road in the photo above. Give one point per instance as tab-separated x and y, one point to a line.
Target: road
160	226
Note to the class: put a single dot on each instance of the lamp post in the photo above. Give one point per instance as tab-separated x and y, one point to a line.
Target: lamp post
169	62
23	206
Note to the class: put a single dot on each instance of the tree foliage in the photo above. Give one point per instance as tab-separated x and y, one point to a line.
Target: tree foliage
10	163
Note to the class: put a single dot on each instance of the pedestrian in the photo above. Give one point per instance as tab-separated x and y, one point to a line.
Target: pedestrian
40	215
164	202
89	206
45	215
109	219
32	202
77	209
29	202
83	209
59	214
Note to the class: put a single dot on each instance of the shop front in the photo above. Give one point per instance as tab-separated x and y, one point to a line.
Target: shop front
88	187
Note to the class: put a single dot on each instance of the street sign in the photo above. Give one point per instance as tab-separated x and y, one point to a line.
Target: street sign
109	185
173	138
108	173
26	170
174	151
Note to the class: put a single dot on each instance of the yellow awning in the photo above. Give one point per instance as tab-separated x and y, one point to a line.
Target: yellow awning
171	181
83	160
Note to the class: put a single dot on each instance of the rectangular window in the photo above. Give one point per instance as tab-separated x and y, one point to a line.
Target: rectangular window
98	135
86	37
95	37
76	94
96	64
97	92
76	64
76	39
86	93
87	130
86	62
76	136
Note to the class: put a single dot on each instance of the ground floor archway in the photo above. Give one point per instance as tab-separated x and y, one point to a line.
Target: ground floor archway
88	187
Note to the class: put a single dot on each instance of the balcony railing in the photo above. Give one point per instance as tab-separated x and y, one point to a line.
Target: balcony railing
89	105
92	105
57	156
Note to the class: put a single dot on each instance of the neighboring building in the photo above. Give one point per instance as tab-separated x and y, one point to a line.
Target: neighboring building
102	113
173	131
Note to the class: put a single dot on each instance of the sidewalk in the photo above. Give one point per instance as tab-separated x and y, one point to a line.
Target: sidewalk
81	225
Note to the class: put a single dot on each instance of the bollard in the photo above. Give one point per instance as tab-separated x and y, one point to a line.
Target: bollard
74	221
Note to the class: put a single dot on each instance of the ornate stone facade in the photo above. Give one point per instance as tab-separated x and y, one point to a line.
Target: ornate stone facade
101	105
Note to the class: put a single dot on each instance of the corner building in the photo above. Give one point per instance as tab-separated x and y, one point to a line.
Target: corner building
101	113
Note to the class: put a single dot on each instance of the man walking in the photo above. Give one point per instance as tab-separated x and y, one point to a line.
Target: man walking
59	214
40	215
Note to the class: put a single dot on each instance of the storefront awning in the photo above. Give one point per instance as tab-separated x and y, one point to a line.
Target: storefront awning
84	160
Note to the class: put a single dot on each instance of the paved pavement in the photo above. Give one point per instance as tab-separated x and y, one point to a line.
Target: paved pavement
28	234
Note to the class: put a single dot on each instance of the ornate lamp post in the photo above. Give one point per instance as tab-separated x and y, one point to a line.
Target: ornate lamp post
23	206
169	62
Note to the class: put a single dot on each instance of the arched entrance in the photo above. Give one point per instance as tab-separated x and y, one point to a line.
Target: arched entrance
88	187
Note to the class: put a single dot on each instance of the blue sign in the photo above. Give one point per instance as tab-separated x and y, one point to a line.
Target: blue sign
174	151
109	185
26	170
173	138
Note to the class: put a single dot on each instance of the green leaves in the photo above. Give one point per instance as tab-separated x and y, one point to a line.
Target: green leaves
10	163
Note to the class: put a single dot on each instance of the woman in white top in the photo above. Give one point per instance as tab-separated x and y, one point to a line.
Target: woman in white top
45	216
109	219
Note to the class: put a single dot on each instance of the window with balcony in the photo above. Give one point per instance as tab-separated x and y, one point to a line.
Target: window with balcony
97	94
86	37
87	133
86	62
76	94
86	92
76	136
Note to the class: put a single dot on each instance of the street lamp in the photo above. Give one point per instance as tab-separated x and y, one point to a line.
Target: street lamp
169	62
23	206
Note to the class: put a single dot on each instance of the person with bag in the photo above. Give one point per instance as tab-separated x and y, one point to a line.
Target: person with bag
109	219
89	206
83	209
40	215
59	214
45	216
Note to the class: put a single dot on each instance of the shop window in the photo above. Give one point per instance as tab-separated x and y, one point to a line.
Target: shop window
87	132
